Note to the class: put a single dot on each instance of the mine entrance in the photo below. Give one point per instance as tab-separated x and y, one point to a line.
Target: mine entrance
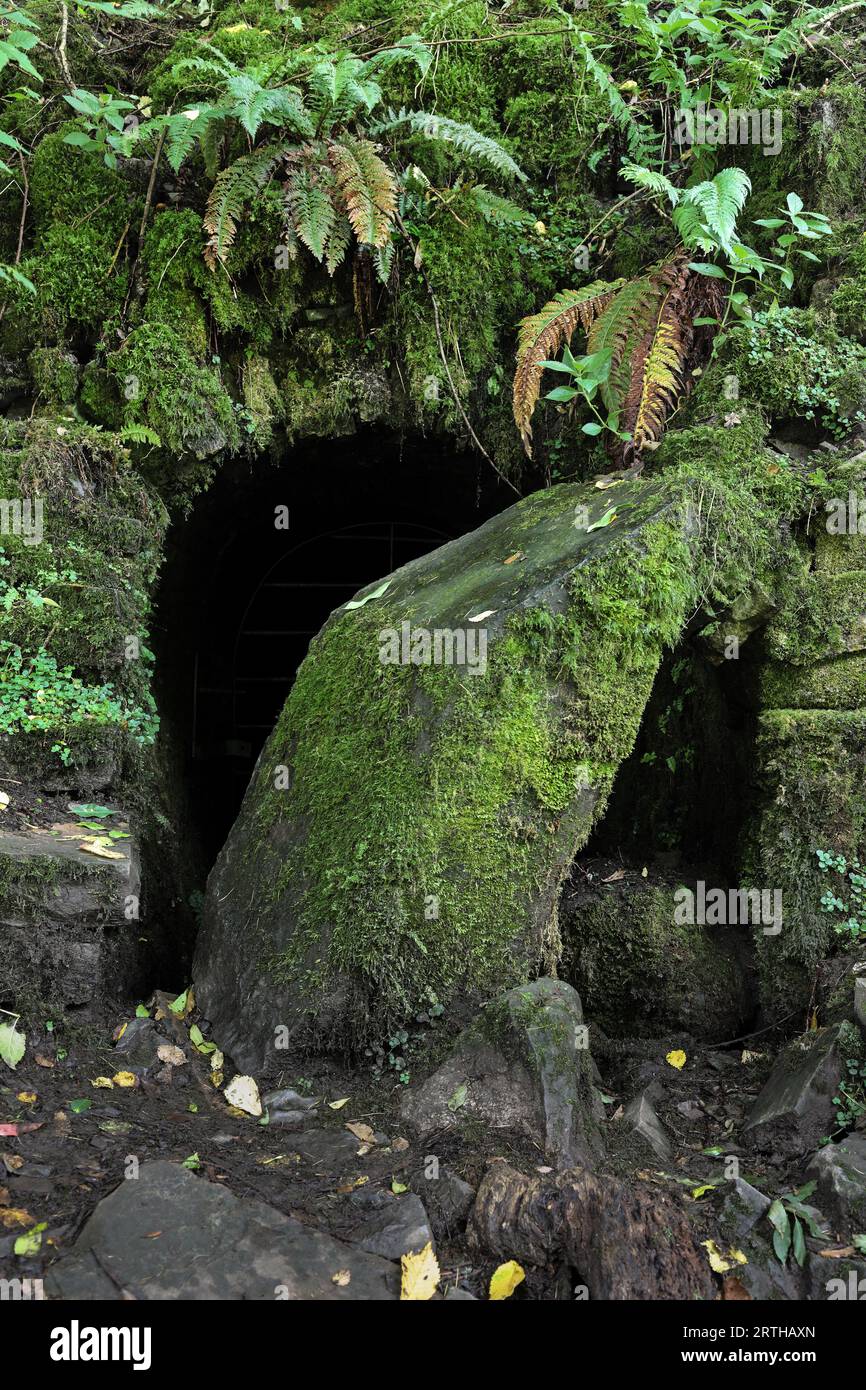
254	570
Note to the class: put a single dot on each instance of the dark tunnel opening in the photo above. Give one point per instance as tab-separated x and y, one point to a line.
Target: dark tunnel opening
251	574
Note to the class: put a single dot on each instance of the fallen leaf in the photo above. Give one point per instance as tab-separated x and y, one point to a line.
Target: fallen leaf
12	1044
44	1061
420	1275
398	1187
78	1107
170	1053
459	1097
100	847
103	1083
15	1216
479	617
342	1278
676	1059
338	1104
845	1253
243	1092
125	1078
13	1162
4	800
31	1242
398	1145
518	555
615	876
27	1097
361	1131
504	1280
376	593
718	1264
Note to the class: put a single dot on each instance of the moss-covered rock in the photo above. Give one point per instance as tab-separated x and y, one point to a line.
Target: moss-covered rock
408	826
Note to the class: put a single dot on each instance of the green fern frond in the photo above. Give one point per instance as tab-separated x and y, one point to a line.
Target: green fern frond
713	207
236	186
467	140
311	209
498	211
412	48
649	178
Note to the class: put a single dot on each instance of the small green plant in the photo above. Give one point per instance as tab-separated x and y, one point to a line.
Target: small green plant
38	696
394	1056
849	916
788	1216
850	1097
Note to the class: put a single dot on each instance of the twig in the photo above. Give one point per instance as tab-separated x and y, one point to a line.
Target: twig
457	401
24	205
145	214
61	48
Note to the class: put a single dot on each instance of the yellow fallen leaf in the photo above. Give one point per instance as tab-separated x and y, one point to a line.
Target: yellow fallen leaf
342	1278
398	1187
99	847
504	1280
103	1083
737	1255
4	800
361	1131
718	1264
676	1059
420	1275
27	1097
338	1104
15	1216
705	1187
125	1078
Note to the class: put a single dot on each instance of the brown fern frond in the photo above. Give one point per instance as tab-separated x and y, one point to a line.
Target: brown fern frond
369	189
541	336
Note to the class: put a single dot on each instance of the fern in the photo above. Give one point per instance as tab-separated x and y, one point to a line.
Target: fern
368	187
707	212
464	138
311	208
651	179
542	334
234	188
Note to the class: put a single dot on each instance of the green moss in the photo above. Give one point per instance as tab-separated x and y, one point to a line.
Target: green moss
55	375
640	973
839	684
824	616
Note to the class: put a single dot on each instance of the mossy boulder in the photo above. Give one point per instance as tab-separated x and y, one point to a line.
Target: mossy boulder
524	1065
639	972
408	826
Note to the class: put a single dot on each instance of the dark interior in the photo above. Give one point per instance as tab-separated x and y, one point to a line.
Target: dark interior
241	597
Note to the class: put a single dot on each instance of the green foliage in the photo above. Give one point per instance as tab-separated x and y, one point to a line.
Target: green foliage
39	697
849	918
790	1218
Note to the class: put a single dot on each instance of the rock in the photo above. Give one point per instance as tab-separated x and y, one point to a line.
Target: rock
65	929
396	1228
447	1199
327	1147
452	1295
139	1044
288	1119
212	1246
642	1117
840	1171
837	1281
860	1001
795	1108
479	773
287	1099
522	1066
743	1206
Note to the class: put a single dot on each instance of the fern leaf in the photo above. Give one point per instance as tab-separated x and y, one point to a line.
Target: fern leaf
234	188
311	209
465	138
412	48
368	187
712	207
540	337
649	178
339	240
